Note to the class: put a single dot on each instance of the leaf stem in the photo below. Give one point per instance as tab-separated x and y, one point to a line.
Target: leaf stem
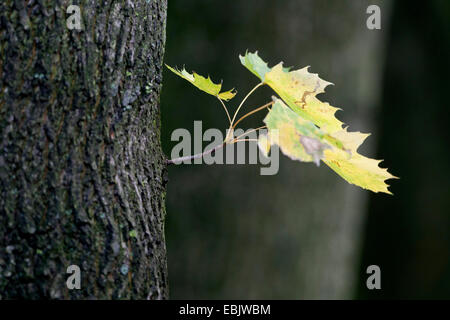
232	126
252	112
242	140
245	133
226	110
243	100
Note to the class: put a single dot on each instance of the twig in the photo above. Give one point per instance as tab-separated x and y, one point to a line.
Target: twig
226	110
252	112
249	131
242	102
195	156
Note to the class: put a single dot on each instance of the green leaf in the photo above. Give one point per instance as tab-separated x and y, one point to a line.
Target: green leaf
301	140
255	64
298	89
227	95
204	84
354	167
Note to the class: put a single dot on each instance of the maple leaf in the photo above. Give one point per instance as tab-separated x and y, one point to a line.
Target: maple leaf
299	139
354	167
308	129
204	84
255	64
314	148
297	88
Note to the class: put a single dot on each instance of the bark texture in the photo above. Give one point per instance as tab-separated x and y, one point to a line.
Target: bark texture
81	167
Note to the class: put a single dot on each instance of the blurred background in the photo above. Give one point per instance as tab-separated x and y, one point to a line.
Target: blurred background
305	233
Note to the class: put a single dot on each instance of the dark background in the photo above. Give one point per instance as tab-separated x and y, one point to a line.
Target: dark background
306	233
409	234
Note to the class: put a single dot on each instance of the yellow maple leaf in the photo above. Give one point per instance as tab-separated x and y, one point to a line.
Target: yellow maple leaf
297	139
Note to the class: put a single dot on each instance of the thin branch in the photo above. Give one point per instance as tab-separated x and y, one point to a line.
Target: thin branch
250	131
242	140
252	112
242	102
201	155
195	156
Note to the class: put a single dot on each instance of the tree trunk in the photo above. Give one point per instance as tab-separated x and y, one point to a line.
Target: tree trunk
82	171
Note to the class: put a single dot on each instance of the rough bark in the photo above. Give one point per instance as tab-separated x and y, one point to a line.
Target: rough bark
82	172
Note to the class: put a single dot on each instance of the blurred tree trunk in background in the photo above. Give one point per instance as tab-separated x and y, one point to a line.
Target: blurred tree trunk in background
81	165
233	233
414	249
